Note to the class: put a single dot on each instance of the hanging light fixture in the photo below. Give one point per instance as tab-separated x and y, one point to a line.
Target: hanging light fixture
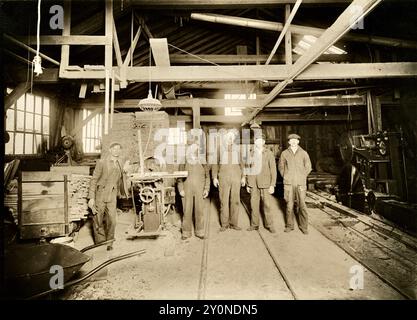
150	104
37	61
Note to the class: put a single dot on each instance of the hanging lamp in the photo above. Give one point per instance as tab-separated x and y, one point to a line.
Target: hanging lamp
150	104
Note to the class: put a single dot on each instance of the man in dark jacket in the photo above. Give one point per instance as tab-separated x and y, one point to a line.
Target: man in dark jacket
261	184
193	190
106	184
294	166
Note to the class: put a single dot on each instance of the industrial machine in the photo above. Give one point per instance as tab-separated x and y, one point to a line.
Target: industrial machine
374	177
375	167
152	196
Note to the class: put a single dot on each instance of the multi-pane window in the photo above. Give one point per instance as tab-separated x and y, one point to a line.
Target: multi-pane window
92	132
236	111
177	136
27	123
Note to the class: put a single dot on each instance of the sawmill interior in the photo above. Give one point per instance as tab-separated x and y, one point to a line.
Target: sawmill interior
116	115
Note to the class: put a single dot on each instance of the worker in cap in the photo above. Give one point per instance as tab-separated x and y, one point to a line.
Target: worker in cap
261	182
107	183
228	176
294	166
194	189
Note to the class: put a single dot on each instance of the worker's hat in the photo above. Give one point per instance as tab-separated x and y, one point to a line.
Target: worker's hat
262	136
294	136
115	143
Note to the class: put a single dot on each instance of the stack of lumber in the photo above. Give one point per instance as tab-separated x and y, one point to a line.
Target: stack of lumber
78	193
78	184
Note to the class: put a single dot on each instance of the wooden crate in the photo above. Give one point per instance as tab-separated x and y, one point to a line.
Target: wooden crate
42	204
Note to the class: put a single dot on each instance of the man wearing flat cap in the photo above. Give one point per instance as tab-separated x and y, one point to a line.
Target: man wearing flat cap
294	166
106	185
261	184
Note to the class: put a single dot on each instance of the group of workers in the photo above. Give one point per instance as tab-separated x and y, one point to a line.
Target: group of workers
229	177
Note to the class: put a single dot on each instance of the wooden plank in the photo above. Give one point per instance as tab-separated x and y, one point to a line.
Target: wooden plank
132	48
160	51
324	101
288	40
77	129
272	72
17	92
266	118
26	47
65	49
42	189
284	30
117	46
42	176
223	4
66	39
196	115
247	58
83	170
83	90
260	72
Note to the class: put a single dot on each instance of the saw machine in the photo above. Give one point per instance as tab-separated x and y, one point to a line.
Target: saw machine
152	196
374	177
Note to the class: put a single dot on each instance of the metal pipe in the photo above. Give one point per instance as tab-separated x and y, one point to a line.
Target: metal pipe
20	44
298	29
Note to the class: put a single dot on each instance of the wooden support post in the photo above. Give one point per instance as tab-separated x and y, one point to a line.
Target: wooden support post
376	103
196	115
83	90
258	49
117	46
108	61
288	42
65	48
112	100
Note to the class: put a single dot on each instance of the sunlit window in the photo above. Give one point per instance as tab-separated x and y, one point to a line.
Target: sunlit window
92	132
177	136
305	43
236	111
27	122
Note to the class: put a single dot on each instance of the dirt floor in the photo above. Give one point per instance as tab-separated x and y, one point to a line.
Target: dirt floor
238	265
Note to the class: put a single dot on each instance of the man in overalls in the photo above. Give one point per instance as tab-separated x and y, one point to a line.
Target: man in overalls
228	176
294	166
194	189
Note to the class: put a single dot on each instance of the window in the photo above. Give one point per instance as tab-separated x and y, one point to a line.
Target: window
92	131
177	136
27	123
236	111
305	43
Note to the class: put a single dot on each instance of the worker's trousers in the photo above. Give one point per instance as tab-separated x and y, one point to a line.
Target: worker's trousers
104	222
256	196
297	193
229	190
193	202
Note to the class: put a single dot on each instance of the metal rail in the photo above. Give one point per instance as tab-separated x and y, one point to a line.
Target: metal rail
274	259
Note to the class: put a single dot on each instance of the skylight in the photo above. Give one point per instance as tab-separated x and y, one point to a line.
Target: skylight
305	43
236	111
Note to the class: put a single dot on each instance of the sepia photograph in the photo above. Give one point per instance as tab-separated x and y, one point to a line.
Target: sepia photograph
209	155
